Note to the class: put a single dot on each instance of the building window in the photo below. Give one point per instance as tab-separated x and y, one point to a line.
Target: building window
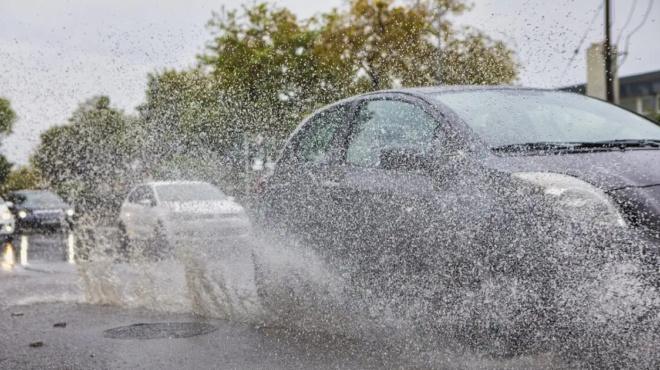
629	103
647	104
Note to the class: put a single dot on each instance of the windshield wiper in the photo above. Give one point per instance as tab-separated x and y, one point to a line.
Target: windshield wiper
579	145
541	145
621	144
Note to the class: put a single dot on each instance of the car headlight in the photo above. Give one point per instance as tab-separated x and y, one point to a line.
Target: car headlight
5	216
579	198
70	212
22	214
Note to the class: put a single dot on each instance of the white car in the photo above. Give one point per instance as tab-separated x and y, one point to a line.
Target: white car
168	211
7	225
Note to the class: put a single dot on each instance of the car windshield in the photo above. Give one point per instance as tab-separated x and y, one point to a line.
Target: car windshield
509	117
189	192
40	198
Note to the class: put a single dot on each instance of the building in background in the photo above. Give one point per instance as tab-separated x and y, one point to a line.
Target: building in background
596	86
639	93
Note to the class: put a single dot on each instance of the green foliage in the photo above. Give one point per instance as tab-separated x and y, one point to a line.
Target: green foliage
7	117
89	160
23	177
5	168
265	60
655	116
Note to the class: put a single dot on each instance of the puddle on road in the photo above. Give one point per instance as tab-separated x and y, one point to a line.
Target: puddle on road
38	268
160	330
48	252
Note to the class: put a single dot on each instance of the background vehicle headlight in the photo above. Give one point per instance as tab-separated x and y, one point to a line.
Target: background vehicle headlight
5	216
22	214
579	198
70	212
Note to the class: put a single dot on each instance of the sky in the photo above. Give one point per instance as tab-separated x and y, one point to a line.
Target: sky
55	54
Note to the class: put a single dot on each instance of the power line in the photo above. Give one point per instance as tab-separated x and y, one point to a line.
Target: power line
584	37
641	24
630	14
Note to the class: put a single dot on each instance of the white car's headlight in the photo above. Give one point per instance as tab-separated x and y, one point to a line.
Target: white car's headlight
5	216
22	214
580	199
70	212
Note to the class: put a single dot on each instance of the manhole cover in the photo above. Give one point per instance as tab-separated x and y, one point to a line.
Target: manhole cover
160	330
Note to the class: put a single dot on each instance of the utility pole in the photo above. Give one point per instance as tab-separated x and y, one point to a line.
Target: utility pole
609	75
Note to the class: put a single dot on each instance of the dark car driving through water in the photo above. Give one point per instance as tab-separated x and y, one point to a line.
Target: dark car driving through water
40	209
434	190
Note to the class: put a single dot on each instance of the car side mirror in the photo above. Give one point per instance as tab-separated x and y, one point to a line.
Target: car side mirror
406	159
146	202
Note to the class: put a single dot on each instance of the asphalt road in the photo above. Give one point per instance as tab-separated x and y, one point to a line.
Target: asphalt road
56	311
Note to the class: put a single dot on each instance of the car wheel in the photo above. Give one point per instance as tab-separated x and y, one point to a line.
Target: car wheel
260	281
124	242
160	246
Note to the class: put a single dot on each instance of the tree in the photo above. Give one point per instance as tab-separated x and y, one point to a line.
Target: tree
23	177
188	129
7	117
397	45
88	161
264	60
5	169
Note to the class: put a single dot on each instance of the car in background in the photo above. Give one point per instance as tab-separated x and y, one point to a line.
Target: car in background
7	223
165	211
40	209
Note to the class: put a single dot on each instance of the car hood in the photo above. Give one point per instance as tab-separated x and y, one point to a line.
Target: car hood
201	207
606	170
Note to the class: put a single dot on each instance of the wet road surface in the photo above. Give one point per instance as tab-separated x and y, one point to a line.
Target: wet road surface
55	310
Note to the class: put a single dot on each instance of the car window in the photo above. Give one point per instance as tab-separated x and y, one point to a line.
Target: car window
388	124
141	193
313	144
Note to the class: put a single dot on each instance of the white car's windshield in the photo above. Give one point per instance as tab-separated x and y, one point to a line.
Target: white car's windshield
189	192
506	117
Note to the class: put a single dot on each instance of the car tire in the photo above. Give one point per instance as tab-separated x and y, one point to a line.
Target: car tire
124	242
160	246
260	281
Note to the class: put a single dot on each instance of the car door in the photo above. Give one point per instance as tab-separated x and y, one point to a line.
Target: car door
386	206
296	197
137	212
